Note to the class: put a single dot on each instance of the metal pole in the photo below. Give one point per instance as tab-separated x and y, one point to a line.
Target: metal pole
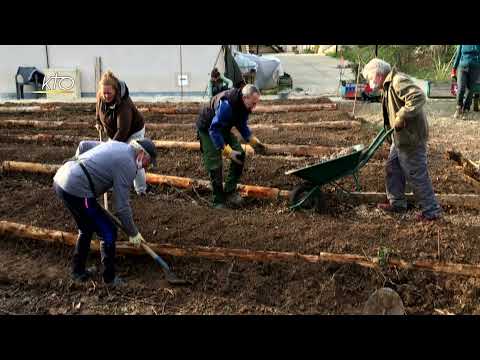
376	50
46	53
356	88
181	73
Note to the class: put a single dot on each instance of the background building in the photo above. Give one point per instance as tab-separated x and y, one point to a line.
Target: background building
149	70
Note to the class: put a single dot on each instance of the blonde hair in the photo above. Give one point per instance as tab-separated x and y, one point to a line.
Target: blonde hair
108	78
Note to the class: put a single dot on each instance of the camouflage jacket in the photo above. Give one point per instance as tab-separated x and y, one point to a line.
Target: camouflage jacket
402	104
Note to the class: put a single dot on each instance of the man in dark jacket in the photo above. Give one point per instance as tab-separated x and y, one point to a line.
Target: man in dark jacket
402	104
227	109
467	61
119	118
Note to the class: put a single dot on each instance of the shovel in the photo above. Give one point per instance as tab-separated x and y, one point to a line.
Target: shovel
169	274
105	195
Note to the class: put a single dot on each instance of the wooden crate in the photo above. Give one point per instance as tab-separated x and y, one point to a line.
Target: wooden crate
440	89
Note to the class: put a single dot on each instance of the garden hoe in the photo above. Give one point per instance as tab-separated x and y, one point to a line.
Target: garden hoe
169	274
105	195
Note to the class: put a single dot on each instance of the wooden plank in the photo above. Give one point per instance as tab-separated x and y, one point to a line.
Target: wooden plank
217	253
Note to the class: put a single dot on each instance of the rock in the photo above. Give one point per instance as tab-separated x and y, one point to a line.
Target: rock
384	301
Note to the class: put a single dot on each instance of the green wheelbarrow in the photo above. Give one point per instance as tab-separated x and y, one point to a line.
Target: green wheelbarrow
308	194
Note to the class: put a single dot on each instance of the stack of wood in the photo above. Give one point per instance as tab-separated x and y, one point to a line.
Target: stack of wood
470	168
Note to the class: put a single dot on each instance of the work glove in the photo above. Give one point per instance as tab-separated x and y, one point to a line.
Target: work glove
136	240
236	156
453	75
257	145
454	88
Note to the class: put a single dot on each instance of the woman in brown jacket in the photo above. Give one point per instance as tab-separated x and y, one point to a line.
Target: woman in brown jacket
118	117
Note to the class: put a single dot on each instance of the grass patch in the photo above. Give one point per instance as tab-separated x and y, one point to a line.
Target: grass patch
423	62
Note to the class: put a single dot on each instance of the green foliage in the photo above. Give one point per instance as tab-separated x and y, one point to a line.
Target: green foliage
383	255
430	62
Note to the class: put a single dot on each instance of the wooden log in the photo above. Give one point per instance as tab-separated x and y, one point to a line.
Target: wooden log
184	110
470	168
29	167
258	109
170	109
468	201
26	109
46	124
45	138
253	191
161	126
17	230
299	150
344	124
294	108
270	149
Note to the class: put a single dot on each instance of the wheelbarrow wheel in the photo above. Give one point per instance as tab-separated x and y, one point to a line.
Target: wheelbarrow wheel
300	191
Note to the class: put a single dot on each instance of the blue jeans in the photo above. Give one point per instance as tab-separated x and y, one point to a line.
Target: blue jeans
90	218
412	167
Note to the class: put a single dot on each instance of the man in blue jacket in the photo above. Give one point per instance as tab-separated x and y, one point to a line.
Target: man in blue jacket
467	61
225	110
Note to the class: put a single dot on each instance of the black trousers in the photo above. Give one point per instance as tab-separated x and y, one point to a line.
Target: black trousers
468	77
90	218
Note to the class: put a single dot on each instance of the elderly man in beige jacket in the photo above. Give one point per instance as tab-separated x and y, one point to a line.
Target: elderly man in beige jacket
402	104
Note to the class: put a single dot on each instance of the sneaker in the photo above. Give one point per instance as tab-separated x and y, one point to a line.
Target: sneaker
421	217
466	116
235	199
115	283
390	208
458	112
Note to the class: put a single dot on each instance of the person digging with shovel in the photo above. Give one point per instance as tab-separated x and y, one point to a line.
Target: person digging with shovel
230	108
98	167
402	103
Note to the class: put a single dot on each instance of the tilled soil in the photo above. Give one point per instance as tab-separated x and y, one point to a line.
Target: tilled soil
34	276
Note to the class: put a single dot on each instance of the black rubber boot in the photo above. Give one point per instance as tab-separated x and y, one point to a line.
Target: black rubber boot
108	261
476	100
234	174
80	255
216	179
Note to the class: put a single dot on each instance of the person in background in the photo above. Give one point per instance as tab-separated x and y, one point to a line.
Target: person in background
467	66
218	83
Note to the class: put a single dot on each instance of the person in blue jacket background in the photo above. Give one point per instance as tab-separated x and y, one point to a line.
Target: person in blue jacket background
467	61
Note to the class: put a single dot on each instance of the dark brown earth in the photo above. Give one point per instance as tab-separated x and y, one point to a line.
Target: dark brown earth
34	276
